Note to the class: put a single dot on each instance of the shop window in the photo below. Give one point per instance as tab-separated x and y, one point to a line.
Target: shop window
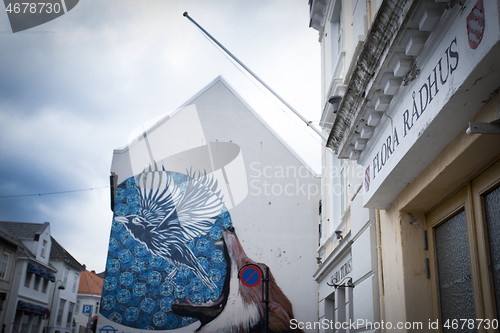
454	272
464	253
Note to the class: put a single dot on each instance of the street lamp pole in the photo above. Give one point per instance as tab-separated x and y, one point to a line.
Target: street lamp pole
61	287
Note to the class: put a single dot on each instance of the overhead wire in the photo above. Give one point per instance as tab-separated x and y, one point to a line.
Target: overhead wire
52	193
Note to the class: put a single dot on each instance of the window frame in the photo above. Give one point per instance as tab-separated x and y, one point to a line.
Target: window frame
482	185
27	279
44	248
60	312
470	198
4	265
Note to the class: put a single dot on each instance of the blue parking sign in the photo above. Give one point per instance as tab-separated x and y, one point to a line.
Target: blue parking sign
87	309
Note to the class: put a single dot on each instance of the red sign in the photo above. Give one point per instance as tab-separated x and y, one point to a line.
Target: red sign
250	276
475	25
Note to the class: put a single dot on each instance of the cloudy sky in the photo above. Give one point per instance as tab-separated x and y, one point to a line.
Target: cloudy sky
73	89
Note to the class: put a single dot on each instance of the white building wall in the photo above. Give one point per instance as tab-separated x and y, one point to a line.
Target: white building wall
342	197
69	295
275	228
277	222
81	318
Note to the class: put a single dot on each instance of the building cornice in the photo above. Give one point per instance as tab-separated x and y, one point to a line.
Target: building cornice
387	25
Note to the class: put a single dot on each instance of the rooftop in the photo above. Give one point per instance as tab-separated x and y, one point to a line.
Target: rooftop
58	252
24	230
90	283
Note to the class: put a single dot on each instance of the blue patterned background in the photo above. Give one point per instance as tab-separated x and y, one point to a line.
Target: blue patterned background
135	293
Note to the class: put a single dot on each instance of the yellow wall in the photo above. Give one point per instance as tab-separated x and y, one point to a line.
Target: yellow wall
405	287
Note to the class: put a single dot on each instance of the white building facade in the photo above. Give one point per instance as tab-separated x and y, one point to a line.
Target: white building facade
272	198
63	301
28	305
348	275
419	112
8	257
88	301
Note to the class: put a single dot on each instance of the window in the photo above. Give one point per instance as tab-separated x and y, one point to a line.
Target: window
330	308
44	248
37	282
45	286
75	281
4	265
65	278
96	307
77	308
27	280
320	223
60	311
343	192
70	315
335	36
464	251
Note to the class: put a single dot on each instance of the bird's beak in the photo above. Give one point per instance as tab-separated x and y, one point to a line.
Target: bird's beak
121	219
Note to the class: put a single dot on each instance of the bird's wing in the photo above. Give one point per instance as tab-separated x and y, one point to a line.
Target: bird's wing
156	196
197	204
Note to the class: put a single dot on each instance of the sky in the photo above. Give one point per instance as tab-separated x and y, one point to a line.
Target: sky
73	89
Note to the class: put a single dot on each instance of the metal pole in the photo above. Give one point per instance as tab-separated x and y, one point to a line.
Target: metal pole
256	77
266	280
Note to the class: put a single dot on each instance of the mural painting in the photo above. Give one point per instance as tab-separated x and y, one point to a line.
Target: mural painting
174	256
163	248
174	259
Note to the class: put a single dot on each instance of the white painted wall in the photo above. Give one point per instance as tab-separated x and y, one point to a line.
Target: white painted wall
277	222
69	294
81	318
275	228
356	223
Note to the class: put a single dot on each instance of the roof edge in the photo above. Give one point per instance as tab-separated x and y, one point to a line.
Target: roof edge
269	128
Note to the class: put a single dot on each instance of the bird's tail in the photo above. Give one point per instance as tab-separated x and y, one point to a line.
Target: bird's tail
198	270
203	276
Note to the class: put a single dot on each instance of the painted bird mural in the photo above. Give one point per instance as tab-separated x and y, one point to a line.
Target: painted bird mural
172	213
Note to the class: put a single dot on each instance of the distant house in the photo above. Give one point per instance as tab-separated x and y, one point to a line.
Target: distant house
27	305
88	299
63	301
8	255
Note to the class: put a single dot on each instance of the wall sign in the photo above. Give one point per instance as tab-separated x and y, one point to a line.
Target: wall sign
405	144
342	272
